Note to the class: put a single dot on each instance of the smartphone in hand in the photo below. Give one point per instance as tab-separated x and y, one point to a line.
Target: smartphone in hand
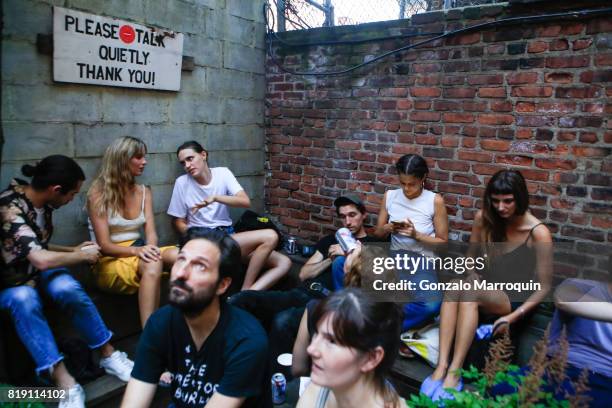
398	224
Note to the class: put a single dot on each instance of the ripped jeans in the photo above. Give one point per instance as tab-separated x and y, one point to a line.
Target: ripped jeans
25	306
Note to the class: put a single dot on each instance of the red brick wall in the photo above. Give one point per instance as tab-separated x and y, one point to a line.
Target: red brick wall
533	97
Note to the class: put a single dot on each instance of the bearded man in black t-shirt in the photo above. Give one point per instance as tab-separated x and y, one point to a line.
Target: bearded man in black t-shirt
216	352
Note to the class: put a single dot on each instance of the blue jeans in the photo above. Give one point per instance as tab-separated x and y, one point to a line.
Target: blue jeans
338	272
25	306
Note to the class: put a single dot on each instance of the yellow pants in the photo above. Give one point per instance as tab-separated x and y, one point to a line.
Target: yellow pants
120	275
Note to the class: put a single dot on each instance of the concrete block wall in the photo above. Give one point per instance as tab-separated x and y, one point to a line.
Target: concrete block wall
220	102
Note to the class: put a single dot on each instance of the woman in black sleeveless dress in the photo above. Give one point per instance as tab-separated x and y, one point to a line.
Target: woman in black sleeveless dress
521	252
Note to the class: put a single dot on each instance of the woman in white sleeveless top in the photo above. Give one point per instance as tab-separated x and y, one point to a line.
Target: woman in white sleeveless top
118	208
415	217
412	214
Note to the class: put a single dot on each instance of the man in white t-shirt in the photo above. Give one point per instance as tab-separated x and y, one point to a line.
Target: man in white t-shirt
201	199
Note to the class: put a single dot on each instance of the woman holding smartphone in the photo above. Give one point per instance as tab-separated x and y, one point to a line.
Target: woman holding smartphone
413	216
411	213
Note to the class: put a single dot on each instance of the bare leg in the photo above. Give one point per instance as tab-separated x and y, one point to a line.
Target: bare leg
169	257
148	294
467	320
448	322
106	350
493	302
257	245
277	266
62	377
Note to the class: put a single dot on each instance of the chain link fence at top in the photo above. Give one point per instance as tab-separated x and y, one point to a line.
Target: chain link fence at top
304	14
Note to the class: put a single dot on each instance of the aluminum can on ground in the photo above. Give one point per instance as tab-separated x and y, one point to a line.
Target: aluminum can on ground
291	247
279	388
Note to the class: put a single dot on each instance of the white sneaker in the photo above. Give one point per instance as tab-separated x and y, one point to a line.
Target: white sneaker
75	399
118	364
125	357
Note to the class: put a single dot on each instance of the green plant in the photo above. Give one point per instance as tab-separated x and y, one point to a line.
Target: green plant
536	388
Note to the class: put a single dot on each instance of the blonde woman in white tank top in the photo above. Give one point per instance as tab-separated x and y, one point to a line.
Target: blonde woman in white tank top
118	209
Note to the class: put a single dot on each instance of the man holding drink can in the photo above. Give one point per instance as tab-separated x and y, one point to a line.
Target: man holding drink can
326	265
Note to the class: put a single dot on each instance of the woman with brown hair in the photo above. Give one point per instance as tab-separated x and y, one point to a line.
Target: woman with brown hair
505	220
355	343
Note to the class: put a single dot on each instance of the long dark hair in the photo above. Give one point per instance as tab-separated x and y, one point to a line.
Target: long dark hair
503	182
53	171
412	165
361	323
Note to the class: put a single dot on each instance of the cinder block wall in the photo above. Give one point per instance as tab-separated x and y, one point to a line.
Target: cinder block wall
220	102
532	96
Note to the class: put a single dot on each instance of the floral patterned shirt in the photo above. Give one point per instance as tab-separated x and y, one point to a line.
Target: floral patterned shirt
19	234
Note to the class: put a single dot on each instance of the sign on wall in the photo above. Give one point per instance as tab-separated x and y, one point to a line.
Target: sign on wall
90	49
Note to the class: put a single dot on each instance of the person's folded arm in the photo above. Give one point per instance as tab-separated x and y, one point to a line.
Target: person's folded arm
240	199
149	227
43	259
316	264
180	225
577	301
138	394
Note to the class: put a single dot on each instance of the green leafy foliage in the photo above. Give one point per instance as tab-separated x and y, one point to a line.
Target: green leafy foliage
530	390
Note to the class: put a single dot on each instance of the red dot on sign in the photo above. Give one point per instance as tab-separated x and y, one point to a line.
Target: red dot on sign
127	34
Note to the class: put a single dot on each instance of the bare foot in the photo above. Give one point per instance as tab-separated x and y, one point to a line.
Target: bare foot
451	380
439	373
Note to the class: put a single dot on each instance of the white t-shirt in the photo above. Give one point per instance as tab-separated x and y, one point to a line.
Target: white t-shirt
188	192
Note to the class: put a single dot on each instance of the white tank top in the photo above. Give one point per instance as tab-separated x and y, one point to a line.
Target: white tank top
419	210
122	229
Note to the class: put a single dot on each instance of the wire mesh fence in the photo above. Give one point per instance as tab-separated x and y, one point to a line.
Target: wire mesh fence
303	14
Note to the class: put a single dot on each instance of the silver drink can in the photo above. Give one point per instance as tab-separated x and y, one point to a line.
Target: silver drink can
291	246
346	240
279	388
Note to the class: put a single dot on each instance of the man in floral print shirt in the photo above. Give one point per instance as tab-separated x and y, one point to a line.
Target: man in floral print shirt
32	269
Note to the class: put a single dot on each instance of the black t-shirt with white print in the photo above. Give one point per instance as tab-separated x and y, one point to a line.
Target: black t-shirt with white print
232	360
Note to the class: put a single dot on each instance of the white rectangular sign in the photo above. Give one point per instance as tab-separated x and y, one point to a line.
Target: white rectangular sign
90	49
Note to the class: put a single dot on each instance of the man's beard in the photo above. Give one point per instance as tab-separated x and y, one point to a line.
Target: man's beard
190	303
